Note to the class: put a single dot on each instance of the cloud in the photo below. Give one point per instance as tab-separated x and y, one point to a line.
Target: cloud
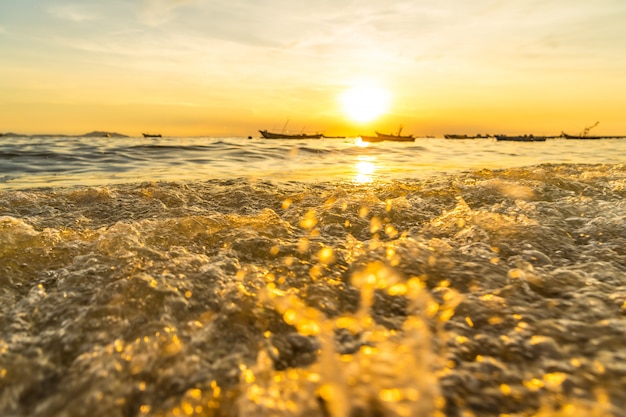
335	38
158	12
72	12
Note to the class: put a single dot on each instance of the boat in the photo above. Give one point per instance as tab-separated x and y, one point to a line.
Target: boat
151	135
456	136
587	137
523	138
271	135
396	138
380	137
566	136
584	134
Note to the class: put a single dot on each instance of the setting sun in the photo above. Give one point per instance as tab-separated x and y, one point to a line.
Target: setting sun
364	102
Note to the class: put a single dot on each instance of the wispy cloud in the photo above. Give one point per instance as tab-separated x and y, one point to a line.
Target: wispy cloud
72	12
157	12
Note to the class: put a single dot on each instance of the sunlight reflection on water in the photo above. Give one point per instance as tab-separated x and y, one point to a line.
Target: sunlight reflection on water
63	161
365	169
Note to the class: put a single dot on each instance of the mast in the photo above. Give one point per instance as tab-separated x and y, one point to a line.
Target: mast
588	128
285	126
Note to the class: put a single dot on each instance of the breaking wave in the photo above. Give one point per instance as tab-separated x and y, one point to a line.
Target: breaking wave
491	292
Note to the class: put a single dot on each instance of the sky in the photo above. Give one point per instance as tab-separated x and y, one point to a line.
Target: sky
232	67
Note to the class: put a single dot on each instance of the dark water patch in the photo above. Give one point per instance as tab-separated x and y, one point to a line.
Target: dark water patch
311	150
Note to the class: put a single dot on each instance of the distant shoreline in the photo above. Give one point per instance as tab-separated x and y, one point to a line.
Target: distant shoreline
94	134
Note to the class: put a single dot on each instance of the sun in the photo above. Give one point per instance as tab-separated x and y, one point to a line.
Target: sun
365	101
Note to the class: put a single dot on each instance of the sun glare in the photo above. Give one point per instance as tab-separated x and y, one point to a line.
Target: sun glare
365	169
364	102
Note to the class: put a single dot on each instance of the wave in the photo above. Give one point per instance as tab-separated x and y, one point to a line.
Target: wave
487	292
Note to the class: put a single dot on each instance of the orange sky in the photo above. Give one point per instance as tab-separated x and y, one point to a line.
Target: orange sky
192	67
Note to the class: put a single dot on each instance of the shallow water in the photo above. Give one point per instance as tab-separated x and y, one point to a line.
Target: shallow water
487	292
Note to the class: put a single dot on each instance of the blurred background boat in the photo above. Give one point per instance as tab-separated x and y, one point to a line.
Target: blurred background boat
271	135
523	138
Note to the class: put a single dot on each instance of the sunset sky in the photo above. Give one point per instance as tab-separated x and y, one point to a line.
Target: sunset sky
231	67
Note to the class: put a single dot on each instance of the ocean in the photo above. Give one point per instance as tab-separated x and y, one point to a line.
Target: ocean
251	277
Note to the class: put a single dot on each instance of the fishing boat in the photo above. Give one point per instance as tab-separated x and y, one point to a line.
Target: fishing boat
566	136
396	138
523	138
462	136
151	135
584	134
271	135
586	137
380	137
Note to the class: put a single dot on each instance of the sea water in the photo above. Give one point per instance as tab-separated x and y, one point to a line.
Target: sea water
28	162
236	277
